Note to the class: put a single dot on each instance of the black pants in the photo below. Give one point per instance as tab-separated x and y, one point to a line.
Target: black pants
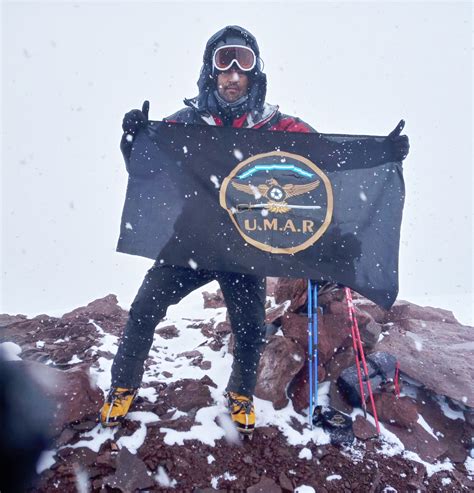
167	285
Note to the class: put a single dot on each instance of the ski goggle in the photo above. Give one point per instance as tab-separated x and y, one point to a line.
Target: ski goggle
226	55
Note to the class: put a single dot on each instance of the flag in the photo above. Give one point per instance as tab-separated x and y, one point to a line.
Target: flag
319	206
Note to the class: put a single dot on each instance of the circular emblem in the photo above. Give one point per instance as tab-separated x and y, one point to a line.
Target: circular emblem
279	202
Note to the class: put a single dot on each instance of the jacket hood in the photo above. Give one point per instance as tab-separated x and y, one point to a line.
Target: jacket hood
206	99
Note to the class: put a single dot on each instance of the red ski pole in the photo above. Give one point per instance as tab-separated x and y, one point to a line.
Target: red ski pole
355	330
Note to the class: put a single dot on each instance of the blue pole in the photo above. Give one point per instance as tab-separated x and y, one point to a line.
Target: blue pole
310	351
315	342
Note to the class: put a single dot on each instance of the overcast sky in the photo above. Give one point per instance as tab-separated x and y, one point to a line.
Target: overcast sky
71	70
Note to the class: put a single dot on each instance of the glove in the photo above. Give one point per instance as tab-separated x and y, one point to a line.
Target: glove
135	120
400	143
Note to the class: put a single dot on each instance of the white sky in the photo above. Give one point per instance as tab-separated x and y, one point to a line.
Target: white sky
71	70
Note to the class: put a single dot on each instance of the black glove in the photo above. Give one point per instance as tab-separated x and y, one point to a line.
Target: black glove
400	143
135	120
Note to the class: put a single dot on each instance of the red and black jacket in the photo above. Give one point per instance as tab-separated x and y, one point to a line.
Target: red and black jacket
268	119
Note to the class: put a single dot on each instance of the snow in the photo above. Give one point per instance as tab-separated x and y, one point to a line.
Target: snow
74	360
227	476
163	479
192	264
305	489
136	440
469	465
238	154
210	459
421	421
446	481
305	453
10	351
215	180
333	477
45	461
40	344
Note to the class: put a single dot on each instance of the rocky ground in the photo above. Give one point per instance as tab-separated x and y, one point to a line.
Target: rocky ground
178	436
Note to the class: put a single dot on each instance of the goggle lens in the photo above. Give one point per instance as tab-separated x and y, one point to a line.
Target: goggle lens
225	56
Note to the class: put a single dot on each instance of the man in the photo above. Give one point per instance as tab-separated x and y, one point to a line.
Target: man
232	90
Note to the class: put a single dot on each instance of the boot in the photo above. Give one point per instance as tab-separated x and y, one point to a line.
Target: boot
117	405
242	412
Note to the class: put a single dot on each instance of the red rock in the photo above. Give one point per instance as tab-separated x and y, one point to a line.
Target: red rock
398	411
265	485
298	390
275	312
168	332
363	429
334	333
435	354
281	360
106	307
187	394
272	283
130	475
294	290
213	300
418	440
295	326
406	310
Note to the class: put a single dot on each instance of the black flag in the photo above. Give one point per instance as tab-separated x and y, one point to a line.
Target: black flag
318	206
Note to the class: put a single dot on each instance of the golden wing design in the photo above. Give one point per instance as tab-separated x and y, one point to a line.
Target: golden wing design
293	190
251	189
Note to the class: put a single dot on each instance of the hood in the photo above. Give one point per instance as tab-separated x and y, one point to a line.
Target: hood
206	100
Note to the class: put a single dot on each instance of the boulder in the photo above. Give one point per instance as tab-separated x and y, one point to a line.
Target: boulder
281	360
438	355
273	313
397	411
298	390
294	290
406	310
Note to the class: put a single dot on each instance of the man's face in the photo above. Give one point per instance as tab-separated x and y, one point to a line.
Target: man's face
232	84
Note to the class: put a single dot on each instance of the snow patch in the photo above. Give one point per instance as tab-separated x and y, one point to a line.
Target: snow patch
305	453
163	479
333	477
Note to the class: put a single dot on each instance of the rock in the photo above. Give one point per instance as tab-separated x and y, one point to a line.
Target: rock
187	394
334	333
397	411
265	485
275	312
102	308
336	399
404	310
435	354
285	483
223	328
130	475
281	360
418	440
298	390
6	320
370	334
363	429
206	380
295	327
294	290
168	332
272	283
213	300
189	354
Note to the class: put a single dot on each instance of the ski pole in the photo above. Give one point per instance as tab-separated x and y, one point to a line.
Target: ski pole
356	351
310	351
315	342
362	355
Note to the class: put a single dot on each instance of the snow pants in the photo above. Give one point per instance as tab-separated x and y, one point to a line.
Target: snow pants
167	285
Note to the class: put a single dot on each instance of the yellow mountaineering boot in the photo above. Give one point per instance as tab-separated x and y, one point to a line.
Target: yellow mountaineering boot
116	405
242	412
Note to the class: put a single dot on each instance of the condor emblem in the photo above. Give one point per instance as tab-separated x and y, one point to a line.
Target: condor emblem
278	201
